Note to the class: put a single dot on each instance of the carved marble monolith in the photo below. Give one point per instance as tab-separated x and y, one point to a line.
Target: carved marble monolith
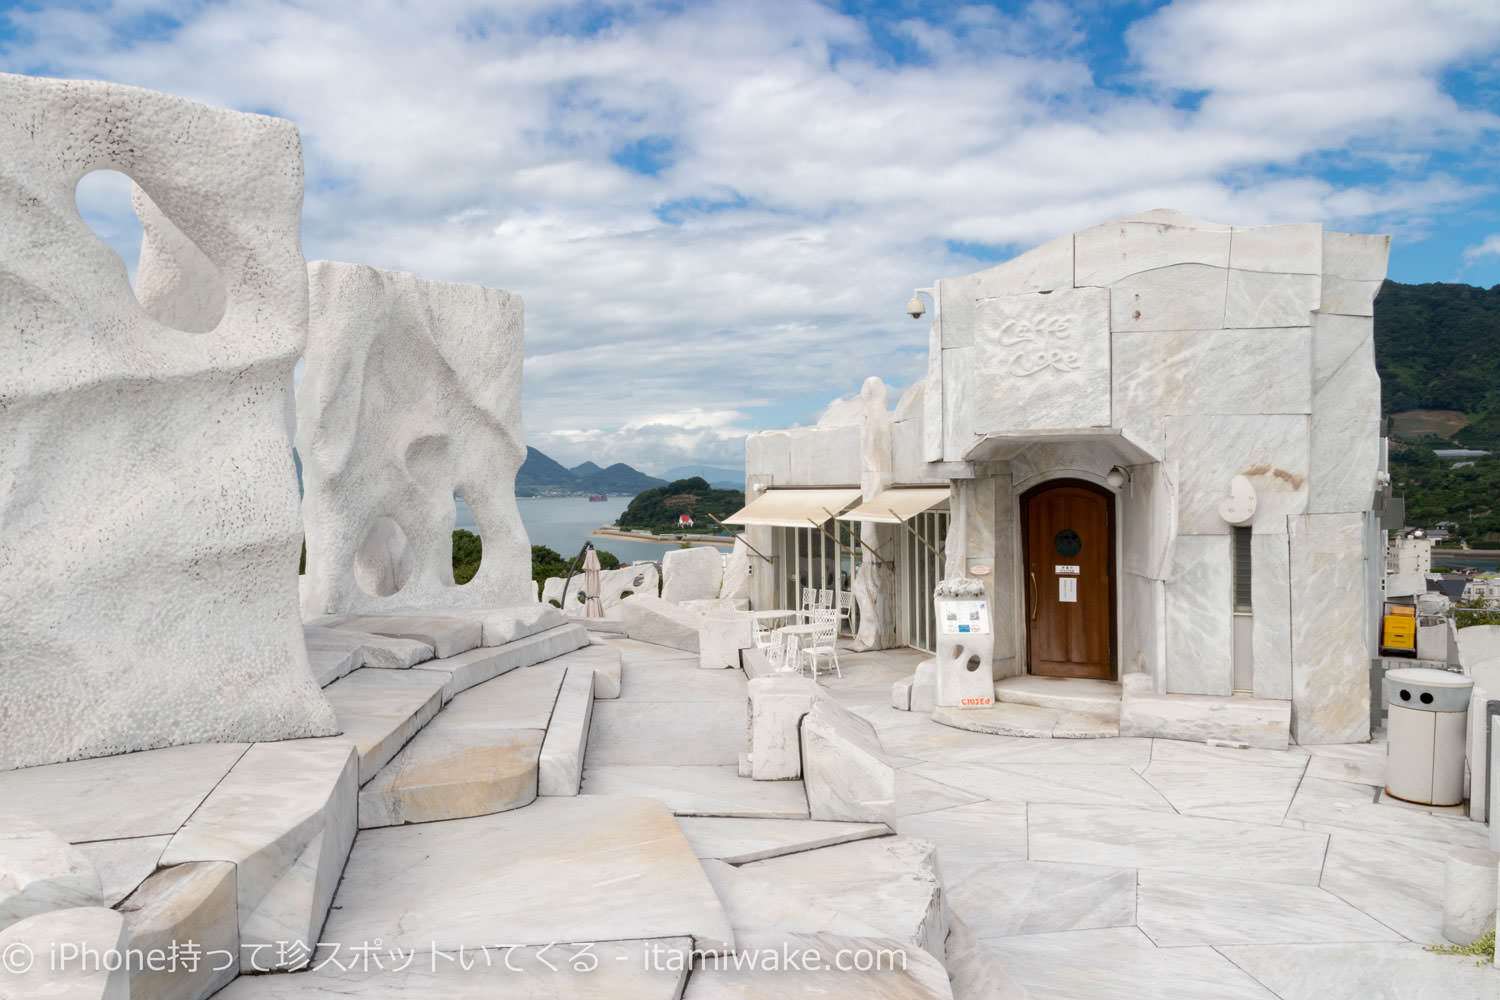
148	504
412	394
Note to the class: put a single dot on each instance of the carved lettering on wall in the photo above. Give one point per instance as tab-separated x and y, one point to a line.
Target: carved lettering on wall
1026	345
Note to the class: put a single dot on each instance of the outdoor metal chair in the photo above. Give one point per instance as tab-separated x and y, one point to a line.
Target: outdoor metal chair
846	610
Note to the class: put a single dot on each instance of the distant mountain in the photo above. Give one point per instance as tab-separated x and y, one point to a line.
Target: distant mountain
539	475
717	476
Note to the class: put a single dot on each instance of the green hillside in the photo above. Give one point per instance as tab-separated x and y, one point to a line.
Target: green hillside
1437	348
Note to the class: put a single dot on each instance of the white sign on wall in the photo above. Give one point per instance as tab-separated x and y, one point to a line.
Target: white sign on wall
964	617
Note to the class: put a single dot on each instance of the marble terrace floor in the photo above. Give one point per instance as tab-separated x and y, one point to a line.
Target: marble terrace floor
1123	868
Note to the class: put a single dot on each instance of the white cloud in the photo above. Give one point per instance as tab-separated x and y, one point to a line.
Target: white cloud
808	182
1488	247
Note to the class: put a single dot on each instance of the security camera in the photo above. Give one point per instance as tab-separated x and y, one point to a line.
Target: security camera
915	307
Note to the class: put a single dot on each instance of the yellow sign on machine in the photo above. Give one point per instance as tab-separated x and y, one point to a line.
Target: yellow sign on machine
1398	633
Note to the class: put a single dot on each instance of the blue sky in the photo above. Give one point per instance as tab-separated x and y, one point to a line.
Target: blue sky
716	211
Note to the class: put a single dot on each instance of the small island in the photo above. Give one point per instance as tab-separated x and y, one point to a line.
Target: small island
682	508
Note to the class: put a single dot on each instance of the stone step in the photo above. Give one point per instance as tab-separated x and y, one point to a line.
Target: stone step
479	756
448	636
607	663
584	868
190	902
379	711
1064	694
561	765
1028	720
478	665
285	817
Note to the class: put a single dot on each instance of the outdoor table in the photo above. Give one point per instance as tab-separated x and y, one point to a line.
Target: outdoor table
794	636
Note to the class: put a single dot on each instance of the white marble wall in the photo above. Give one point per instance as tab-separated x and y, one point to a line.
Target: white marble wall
149	533
1330	650
1199	604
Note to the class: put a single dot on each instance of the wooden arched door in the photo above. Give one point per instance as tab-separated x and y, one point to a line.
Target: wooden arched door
1069	565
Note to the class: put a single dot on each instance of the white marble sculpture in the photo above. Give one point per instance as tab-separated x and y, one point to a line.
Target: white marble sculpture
875	580
965	645
148	505
412	394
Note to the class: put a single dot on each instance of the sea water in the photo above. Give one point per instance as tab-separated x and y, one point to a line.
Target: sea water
563	524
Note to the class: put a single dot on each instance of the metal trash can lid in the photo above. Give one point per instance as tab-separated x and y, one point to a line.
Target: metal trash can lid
1428	690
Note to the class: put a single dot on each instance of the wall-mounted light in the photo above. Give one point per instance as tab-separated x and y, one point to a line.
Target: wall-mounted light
1118	476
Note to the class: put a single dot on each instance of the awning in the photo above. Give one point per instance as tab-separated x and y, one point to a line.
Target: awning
793	508
898	506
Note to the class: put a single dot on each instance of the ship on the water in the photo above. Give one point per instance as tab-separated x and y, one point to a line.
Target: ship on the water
598	497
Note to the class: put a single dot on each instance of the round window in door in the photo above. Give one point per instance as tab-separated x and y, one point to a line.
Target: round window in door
1067	543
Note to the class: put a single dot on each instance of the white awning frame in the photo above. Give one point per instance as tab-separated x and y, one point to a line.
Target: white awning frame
794	508
897	506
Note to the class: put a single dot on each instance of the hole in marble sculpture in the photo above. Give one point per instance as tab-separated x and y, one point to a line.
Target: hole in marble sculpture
173	280
382	562
468	546
103	199
973	664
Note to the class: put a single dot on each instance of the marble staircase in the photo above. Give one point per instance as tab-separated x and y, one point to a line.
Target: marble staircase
1043	707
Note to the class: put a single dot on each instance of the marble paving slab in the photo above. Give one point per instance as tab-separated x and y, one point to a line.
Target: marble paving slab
379	711
110	798
1365	972
332	653
1180	752
698	791
1119	963
1128	751
914	975
1363	763
737	841
588	868
1101	784
1037	897
759	905
636	651
1178	910
917	794
1226	790
660	732
971	836
890	883
1398	882
1326	804
944	744
607	970
1138	838
123	864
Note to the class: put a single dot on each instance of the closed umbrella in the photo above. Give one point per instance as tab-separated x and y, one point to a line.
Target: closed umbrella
593	607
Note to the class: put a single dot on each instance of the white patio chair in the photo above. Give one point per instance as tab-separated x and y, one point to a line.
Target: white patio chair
825	599
846	610
825	642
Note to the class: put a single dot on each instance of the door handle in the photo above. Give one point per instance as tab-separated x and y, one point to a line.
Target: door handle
1033	597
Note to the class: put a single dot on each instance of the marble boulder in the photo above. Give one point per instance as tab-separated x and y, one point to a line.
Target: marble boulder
34	970
412	394
158	606
844	769
652	619
40	872
693	574
777	704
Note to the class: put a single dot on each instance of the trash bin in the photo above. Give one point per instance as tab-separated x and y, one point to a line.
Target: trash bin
1427	727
